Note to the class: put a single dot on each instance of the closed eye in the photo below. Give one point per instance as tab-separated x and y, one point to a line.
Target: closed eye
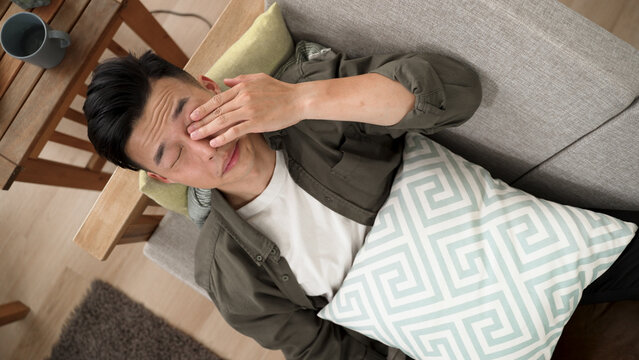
178	157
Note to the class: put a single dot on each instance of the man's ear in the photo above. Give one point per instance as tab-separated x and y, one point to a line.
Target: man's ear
209	84
159	178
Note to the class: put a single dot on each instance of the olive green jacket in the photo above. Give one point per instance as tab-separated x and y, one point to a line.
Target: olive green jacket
349	167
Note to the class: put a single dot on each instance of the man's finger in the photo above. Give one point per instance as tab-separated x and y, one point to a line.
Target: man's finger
208	118
231	134
213	103
211	117
239	79
234	81
221	122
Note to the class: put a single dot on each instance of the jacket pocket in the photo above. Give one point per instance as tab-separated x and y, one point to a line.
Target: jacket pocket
366	166
347	165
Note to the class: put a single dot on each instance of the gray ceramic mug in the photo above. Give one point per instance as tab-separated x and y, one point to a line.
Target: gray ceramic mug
27	37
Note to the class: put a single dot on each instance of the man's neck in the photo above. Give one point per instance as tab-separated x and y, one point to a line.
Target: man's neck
259	177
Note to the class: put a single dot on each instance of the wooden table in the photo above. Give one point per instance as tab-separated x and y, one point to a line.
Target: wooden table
116	217
34	100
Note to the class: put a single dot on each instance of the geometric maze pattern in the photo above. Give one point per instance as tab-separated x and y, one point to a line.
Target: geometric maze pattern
459	265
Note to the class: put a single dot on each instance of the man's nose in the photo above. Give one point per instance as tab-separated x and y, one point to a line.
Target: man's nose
203	149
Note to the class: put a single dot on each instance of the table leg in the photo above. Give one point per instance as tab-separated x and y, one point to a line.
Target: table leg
84	88
68	140
116	49
96	163
75	116
13	311
142	22
48	172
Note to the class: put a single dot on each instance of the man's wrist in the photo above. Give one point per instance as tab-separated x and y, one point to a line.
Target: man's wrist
305	97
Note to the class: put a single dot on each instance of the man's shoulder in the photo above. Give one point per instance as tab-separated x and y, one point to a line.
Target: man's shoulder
291	70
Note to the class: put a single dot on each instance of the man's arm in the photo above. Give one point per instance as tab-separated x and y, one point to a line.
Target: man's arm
447	92
370	98
407	92
260	103
299	333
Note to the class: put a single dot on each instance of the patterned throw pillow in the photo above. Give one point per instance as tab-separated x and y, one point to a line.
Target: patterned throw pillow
459	265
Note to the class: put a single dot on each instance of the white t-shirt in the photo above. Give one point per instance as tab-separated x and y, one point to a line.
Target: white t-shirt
318	243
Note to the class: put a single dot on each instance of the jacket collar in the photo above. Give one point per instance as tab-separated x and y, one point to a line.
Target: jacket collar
256	245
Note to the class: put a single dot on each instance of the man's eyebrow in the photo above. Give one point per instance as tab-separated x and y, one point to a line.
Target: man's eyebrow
158	154
179	107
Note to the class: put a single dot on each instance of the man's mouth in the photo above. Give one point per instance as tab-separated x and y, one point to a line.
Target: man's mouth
232	159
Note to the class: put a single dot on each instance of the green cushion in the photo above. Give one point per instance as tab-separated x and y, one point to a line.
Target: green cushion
265	46
262	49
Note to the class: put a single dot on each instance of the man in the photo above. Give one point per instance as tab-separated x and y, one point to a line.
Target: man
293	200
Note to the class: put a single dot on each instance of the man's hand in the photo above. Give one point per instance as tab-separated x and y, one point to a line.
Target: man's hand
258	103
254	103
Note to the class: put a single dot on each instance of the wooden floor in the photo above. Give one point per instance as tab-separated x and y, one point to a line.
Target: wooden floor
40	265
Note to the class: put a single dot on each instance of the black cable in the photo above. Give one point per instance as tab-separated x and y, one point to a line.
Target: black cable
182	14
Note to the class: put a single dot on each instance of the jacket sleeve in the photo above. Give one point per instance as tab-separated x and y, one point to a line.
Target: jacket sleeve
298	332
447	92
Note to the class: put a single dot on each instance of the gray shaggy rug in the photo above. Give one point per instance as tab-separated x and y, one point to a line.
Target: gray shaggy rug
109	325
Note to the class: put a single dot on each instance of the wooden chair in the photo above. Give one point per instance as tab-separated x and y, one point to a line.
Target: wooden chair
117	215
34	100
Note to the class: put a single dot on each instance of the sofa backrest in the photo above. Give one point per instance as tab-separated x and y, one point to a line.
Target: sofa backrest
558	117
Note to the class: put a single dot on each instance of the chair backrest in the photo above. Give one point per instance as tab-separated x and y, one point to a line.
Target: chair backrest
555	85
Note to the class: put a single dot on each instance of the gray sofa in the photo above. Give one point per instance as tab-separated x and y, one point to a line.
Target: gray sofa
560	112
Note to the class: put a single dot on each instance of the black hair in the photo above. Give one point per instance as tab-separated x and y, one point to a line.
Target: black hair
116	98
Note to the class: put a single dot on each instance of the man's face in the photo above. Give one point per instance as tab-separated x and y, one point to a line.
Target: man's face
161	144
